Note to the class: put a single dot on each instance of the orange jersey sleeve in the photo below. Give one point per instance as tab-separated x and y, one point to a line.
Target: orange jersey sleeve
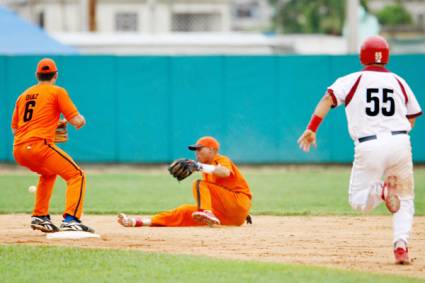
37	112
235	182
66	106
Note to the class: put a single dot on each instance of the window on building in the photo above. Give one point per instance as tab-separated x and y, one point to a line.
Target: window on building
247	10
41	19
188	22
126	21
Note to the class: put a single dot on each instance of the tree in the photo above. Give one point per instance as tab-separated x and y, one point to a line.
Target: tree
310	16
394	15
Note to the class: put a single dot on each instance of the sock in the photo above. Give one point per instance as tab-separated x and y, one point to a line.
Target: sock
147	221
69	218
139	222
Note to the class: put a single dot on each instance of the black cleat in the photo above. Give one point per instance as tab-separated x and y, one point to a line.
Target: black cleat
44	224
75	225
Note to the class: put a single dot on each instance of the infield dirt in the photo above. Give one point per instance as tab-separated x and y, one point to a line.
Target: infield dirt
346	242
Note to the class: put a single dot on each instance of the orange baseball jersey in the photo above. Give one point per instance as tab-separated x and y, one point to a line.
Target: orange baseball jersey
37	112
235	182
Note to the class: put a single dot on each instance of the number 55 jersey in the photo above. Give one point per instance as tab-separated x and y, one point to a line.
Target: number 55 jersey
376	101
38	110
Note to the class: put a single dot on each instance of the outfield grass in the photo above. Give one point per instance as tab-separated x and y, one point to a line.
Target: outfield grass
276	192
58	264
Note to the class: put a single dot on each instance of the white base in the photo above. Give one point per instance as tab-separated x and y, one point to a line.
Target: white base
71	235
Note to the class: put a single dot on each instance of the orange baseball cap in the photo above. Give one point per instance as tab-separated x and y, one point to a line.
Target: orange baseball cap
46	65
205	142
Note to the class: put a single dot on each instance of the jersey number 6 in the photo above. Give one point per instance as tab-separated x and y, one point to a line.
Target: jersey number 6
29	110
374	100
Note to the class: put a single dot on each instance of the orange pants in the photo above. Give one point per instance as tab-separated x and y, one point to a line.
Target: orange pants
230	207
48	160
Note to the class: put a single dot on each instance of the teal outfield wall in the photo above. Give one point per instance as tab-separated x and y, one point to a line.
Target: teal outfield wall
147	109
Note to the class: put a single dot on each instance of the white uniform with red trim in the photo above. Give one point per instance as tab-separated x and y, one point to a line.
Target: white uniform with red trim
378	104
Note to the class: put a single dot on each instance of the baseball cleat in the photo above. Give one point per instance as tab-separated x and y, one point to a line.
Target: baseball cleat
126	221
206	217
75	225
389	194
401	253
43	224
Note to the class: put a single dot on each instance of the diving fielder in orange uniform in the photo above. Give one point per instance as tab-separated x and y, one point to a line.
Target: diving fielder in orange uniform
35	118
222	196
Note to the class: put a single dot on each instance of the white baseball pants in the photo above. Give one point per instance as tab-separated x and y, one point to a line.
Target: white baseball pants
387	155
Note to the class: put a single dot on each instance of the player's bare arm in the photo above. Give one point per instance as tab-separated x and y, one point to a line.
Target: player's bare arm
217	170
78	121
412	122
13	131
308	138
221	171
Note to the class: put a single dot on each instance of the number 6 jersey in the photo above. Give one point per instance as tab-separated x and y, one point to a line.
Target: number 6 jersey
37	112
376	101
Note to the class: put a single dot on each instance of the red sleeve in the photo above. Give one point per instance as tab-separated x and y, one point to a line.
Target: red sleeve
66	106
411	116
332	94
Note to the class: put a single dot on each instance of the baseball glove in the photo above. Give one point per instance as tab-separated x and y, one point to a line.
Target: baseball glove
183	168
61	134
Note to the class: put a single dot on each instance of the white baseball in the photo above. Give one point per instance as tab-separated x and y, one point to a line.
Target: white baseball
32	189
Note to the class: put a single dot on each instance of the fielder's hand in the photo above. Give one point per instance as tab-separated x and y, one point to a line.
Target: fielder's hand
307	139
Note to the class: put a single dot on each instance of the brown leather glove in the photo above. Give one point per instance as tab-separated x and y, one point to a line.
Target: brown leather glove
183	168
61	134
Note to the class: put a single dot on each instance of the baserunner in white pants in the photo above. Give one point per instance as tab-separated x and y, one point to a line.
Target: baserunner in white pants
381	110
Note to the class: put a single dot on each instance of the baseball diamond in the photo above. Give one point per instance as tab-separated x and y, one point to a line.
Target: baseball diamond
225	192
316	227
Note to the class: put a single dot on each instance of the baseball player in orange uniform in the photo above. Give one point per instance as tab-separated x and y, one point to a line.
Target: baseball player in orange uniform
222	197
36	115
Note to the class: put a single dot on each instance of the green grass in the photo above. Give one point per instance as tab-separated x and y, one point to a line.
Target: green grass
276	192
58	264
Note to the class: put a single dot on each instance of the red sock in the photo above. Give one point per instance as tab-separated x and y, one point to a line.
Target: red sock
139	222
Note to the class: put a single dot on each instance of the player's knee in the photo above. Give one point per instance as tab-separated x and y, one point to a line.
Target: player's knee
240	222
78	173
407	205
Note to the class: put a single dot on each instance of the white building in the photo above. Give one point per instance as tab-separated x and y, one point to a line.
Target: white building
139	16
176	43
155	27
164	26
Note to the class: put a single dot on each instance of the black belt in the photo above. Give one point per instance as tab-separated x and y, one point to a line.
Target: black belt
374	137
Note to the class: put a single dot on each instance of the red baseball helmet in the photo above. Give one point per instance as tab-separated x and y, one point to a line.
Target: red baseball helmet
375	50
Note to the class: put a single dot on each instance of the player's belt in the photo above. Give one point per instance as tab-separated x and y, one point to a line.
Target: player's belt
374	137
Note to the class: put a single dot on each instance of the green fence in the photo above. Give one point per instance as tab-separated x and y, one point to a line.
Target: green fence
147	109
